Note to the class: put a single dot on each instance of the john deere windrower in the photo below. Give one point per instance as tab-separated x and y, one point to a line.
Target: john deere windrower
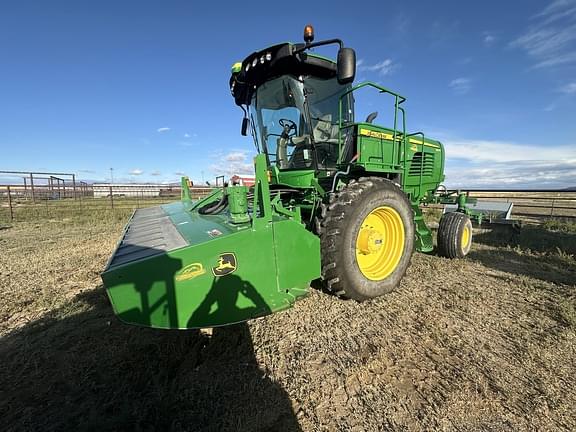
335	199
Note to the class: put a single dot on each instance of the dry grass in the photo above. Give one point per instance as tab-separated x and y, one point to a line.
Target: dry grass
486	343
81	210
560	225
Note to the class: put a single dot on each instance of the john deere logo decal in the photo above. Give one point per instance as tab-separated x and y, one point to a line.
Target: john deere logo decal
226	264
190	272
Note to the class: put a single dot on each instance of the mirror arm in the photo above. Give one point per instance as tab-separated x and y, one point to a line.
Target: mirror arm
316	44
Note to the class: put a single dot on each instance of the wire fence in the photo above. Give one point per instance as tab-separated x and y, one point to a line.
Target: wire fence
18	204
533	206
49	202
539	204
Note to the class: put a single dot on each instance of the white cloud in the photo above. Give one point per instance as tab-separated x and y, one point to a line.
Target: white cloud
490	164
489	38
549	41
527	174
234	162
504	151
155	173
188	140
558	9
180	173
163	129
383	68
136	172
460	85
569	88
566	91
235	157
401	24
550	107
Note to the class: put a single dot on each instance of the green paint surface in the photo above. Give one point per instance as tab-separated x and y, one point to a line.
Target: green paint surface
275	260
258	256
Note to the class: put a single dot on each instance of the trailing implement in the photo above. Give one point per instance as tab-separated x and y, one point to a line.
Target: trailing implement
334	199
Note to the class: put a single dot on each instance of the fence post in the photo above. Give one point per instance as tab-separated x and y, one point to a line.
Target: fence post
32	187
111	198
74	184
10	205
552	209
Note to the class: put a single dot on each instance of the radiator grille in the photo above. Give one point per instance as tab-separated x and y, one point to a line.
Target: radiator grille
426	163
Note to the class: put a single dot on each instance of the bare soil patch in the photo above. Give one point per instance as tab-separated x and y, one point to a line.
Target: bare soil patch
485	343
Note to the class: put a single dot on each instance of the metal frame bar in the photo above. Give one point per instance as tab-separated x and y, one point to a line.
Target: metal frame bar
398	100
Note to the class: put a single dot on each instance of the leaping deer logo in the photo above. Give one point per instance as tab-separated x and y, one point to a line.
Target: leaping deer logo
226	264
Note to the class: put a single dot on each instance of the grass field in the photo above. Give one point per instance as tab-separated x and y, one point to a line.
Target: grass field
485	343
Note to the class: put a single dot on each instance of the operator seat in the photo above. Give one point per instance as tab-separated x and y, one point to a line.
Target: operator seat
326	138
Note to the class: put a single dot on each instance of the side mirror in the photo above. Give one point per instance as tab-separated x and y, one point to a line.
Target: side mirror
346	64
245	124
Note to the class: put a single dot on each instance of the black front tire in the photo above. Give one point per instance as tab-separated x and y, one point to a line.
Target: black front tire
339	231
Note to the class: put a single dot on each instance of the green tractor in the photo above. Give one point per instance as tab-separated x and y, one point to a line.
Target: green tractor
335	200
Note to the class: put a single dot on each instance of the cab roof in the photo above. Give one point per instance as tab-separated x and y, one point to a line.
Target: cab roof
272	62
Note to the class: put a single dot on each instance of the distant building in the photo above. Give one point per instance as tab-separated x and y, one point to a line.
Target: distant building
140	190
243	179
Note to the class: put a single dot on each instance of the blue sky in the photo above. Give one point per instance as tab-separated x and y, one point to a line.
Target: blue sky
142	86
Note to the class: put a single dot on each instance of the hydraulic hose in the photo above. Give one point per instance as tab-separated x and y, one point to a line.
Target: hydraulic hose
339	173
214	207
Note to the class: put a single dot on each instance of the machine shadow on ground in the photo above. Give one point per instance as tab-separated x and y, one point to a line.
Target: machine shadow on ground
89	371
529	237
535	253
550	268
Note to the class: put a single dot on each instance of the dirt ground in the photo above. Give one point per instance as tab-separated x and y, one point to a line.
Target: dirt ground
485	343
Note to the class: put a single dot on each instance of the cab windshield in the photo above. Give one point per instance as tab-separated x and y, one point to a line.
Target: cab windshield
295	122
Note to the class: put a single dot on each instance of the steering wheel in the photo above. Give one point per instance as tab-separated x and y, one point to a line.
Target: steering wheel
288	126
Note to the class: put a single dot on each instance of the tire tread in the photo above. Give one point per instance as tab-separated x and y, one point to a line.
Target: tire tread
450	234
334	223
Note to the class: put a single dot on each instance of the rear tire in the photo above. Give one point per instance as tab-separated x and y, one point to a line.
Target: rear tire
454	235
367	239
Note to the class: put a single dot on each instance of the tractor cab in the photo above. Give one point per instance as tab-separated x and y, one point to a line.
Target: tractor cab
295	103
296	121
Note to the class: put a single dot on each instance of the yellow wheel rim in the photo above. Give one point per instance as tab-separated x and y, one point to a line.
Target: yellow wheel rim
380	243
465	237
